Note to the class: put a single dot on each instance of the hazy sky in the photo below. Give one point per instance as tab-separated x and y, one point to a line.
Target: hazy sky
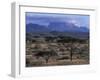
46	18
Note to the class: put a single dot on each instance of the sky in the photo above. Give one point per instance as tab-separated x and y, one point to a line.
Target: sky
46	18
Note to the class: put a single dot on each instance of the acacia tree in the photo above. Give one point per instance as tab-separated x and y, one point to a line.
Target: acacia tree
46	54
71	49
70	46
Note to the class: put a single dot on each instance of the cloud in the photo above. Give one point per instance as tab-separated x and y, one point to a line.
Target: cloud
75	22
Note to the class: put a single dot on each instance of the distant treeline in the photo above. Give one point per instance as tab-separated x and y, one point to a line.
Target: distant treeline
59	39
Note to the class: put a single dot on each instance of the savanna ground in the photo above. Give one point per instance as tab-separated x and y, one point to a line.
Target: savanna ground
50	51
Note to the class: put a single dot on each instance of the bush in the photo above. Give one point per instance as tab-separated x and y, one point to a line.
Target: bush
36	63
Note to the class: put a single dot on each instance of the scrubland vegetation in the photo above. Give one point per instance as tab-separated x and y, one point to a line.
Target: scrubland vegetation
56	50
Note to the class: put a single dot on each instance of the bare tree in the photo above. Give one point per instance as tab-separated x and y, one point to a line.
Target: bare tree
45	54
71	49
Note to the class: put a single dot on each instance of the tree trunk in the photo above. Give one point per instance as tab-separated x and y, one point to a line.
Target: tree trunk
46	60
71	54
71	51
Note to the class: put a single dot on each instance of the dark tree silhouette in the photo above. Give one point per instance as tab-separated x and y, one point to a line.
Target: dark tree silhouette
71	49
45	54
71	42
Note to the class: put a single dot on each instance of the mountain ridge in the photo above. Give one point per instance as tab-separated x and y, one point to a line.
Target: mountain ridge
55	26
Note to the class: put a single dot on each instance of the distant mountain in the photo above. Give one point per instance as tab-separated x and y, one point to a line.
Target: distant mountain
83	29
55	29
36	28
55	26
69	27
